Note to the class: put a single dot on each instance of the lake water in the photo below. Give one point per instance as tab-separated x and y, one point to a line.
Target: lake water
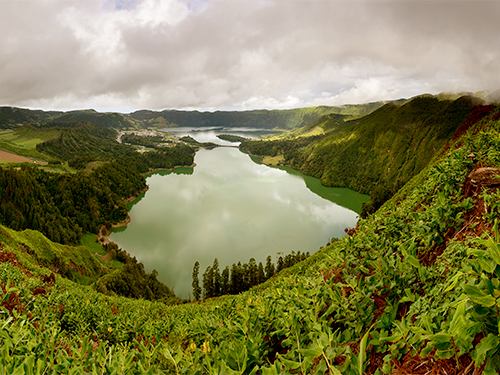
230	208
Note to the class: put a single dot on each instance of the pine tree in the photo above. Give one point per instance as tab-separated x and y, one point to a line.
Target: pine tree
225	289
281	264
217	280
196	282
252	275
236	279
269	267
208	283
261	277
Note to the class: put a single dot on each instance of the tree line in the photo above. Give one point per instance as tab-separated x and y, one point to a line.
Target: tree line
240	277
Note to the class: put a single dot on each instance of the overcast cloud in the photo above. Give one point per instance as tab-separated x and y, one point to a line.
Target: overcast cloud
123	55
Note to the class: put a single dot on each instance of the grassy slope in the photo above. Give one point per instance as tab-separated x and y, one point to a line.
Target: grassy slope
417	284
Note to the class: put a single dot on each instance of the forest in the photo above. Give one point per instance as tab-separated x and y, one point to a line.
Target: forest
240	277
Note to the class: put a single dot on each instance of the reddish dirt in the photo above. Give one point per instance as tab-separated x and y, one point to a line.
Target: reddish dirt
9	157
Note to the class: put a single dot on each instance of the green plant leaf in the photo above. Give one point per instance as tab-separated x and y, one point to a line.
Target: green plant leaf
478	297
453	282
312	353
490	342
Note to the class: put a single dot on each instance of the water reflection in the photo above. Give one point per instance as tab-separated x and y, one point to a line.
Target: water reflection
230	208
209	134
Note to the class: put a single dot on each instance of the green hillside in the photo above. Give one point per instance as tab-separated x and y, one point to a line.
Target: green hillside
11	117
105	174
105	120
376	154
414	289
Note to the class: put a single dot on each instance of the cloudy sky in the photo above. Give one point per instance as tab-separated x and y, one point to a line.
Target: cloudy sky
123	55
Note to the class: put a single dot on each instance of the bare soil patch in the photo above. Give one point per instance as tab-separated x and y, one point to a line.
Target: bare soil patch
7	156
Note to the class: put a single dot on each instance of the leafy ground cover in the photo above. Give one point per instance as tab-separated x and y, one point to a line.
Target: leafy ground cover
414	289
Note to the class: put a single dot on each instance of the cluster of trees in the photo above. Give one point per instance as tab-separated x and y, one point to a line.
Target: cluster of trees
231	138
63	206
289	148
132	280
239	277
194	143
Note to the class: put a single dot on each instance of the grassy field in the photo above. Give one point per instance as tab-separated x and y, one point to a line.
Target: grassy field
19	145
26	138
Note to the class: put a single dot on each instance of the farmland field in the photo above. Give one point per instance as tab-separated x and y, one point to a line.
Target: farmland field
13	158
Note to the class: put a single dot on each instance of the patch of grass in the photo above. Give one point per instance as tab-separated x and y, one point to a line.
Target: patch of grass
273	160
90	242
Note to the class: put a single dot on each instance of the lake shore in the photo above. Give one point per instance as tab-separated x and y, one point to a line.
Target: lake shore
103	237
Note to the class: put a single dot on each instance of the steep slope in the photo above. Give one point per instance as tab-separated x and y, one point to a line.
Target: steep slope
414	290
378	153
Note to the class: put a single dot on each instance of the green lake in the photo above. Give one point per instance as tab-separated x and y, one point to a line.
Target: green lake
230	208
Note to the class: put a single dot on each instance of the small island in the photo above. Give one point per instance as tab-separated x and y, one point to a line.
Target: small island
231	138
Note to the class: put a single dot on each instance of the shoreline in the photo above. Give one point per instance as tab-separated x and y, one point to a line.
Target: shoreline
104	232
167	169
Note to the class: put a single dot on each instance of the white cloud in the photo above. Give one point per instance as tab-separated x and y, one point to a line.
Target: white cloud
218	54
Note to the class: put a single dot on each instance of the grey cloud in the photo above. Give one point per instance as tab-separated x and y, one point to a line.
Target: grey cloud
239	54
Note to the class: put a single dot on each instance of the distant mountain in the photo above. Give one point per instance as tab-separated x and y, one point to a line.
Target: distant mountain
11	117
261	118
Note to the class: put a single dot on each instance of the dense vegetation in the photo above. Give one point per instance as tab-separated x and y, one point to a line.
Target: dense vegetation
153	141
414	290
378	153
197	145
131	280
240	277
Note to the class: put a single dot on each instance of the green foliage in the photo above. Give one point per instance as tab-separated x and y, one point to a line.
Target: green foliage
194	143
